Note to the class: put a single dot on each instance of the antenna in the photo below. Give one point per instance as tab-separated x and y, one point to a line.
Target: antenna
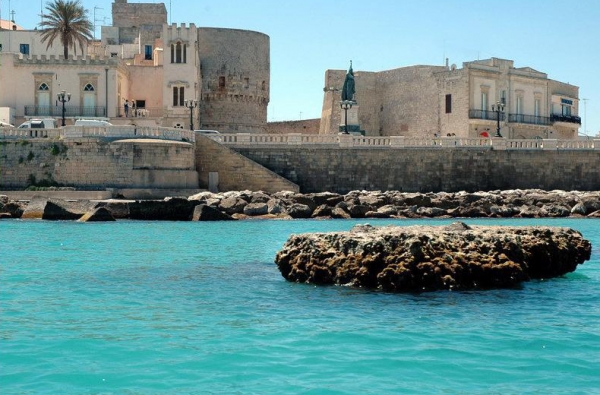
95	20
585	116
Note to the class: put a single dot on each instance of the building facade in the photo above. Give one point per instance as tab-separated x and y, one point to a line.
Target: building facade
143	71
429	101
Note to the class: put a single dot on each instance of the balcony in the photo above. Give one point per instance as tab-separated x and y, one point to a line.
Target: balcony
70	111
529	119
486	114
565	118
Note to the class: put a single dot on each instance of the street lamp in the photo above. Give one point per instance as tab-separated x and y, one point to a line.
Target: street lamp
63	97
346	105
191	104
498	108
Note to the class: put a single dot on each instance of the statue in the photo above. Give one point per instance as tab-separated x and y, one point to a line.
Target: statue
348	89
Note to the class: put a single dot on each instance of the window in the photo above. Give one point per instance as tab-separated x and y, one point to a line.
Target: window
140	103
148	52
448	104
24	49
178	96
221	82
43	87
536	107
519	105
88	88
566	110
178	53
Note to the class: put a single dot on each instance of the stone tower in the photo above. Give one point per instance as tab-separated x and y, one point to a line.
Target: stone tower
234	73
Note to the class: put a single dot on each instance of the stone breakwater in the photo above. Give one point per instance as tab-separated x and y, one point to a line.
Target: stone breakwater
532	203
429	258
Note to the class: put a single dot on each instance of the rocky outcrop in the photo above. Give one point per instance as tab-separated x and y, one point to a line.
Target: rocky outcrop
532	203
100	214
429	258
202	212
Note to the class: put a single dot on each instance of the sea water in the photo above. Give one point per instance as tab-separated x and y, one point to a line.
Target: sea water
137	307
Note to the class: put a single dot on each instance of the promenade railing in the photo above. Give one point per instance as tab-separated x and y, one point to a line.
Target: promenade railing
111	132
352	141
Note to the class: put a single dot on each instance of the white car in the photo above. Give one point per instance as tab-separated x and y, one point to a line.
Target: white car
6	125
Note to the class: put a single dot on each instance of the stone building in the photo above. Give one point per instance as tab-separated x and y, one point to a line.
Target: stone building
431	101
156	67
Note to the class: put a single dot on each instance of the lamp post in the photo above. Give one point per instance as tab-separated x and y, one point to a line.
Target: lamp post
346	105
498	108
191	104
63	97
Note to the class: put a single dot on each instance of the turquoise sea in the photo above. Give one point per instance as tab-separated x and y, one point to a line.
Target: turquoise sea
137	307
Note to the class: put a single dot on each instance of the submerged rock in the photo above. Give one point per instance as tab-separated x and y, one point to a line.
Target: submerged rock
429	258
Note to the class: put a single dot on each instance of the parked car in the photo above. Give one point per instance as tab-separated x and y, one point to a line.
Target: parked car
92	122
46	123
6	125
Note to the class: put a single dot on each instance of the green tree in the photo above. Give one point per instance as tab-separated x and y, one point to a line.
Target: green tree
66	20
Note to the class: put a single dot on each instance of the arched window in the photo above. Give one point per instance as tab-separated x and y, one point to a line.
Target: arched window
88	88
178	53
43	87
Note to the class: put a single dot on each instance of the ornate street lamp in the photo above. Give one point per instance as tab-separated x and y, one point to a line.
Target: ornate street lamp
346	105
63	97
191	104
498	108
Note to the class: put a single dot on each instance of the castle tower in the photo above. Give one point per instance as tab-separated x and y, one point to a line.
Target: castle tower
234	73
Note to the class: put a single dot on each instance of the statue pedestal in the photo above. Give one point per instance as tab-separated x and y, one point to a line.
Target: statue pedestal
353	124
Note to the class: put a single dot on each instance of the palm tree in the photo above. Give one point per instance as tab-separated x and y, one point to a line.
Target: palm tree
67	20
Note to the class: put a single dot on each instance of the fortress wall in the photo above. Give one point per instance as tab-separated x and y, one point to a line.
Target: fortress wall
456	84
235	70
423	170
93	164
416	115
305	126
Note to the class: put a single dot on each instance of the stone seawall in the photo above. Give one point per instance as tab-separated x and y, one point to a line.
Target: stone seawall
89	163
341	170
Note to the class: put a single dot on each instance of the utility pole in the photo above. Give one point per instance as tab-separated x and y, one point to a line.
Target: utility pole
585	116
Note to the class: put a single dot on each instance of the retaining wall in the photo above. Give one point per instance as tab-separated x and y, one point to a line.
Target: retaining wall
341	170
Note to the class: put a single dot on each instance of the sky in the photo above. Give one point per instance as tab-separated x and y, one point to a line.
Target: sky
309	37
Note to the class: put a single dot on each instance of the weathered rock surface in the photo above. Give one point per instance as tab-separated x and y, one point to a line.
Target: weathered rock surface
202	212
100	214
429	258
532	203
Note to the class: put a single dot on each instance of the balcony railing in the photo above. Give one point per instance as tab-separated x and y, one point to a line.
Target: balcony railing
566	118
70	111
486	114
529	119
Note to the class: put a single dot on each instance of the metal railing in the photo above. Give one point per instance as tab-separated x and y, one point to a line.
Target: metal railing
70	111
486	114
565	118
529	119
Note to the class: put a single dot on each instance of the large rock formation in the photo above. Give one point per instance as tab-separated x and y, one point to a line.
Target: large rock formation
428	258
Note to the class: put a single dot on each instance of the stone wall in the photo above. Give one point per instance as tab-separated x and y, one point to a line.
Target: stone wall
96	164
235	76
306	126
422	170
235	172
